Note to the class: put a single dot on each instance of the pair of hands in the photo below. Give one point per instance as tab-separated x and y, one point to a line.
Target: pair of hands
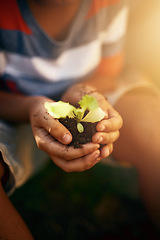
52	137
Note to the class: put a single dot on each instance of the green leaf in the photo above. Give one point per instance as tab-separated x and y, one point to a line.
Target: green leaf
79	112
88	102
80	127
60	109
94	115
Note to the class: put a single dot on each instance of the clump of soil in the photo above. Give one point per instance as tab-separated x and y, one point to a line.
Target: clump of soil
79	138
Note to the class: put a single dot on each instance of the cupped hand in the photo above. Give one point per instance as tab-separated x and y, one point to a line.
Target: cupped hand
108	131
108	128
52	137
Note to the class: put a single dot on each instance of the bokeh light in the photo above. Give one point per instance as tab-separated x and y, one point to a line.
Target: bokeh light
143	38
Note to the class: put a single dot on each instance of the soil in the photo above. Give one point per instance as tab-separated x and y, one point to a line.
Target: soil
79	138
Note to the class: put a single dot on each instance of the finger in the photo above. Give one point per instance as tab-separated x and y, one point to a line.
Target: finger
113	123
78	165
48	144
105	138
106	150
56	129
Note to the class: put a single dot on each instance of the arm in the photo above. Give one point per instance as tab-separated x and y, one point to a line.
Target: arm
16	108
47	131
12	226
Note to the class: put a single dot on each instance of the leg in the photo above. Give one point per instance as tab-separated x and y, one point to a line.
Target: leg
12	227
139	144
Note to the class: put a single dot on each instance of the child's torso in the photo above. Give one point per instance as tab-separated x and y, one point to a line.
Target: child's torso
43	57
62	15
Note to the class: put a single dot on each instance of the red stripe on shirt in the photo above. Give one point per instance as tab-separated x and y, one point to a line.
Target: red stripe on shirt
111	66
11	86
97	5
11	18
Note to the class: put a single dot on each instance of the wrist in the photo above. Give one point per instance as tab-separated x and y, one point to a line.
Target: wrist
16	108
25	107
35	104
84	88
76	92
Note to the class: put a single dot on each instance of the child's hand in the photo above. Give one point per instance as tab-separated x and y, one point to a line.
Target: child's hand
108	128
52	137
108	131
111	124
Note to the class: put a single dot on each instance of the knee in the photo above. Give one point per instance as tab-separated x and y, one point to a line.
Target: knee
139	136
138	145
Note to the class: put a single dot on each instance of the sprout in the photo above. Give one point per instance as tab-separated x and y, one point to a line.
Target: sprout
62	110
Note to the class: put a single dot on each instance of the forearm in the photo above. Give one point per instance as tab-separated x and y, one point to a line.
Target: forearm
102	83
96	86
14	107
12	226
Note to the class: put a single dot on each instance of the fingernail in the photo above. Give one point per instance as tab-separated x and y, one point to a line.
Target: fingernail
107	152
102	128
97	155
96	146
100	140
97	160
66	138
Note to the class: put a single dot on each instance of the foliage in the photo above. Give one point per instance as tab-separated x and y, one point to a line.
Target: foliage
88	103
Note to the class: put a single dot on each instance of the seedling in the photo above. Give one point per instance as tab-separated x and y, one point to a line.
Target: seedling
88	104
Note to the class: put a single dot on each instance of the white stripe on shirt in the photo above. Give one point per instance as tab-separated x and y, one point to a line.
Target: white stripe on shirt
68	65
117	28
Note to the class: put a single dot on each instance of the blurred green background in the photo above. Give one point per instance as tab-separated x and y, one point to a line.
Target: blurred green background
89	205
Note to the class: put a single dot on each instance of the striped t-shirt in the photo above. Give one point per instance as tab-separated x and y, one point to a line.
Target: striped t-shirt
32	63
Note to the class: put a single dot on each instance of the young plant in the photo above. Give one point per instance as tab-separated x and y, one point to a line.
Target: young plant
88	103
